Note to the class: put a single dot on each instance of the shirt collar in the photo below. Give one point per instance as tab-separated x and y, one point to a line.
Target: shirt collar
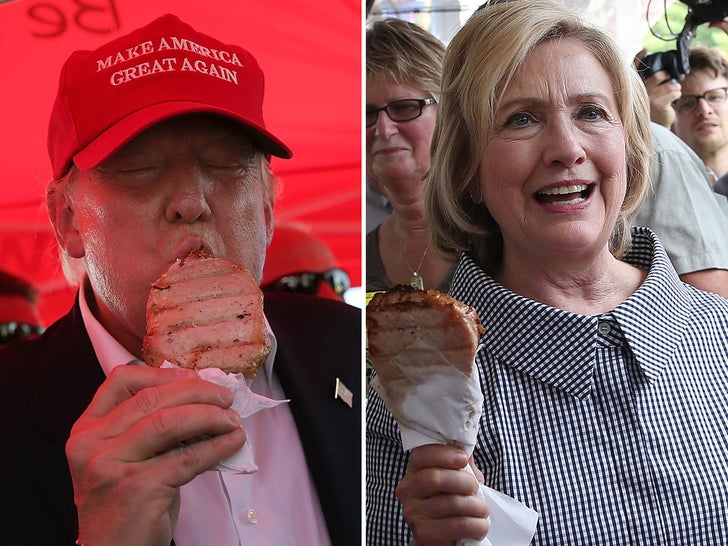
111	353
559	347
654	318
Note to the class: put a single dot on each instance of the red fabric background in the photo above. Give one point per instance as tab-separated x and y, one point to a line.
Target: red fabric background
309	51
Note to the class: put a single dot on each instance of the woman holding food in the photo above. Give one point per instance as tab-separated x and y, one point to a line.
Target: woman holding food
603	374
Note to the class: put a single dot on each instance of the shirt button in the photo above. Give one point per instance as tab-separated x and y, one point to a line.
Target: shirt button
252	516
604	328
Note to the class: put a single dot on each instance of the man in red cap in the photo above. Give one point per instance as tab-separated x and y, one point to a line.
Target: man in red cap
299	261
159	147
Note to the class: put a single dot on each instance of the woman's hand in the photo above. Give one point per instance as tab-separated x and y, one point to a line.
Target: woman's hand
125	458
440	500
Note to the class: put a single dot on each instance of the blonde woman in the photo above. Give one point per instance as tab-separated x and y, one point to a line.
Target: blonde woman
403	66
603	374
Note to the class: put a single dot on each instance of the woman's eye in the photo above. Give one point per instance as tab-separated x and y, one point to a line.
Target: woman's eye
521	119
592	113
403	110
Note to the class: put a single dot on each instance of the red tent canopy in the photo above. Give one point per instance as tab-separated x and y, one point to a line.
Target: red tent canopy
309	51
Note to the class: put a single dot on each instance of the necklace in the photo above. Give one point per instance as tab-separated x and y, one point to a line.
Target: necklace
416	281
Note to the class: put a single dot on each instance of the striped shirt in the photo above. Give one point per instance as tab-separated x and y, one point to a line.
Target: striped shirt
614	428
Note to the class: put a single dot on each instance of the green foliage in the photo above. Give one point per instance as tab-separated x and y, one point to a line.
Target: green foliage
670	25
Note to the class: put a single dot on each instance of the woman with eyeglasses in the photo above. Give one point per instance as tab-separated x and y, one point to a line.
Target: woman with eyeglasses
403	64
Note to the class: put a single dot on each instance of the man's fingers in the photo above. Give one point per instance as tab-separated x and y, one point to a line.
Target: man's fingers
186	462
168	427
131	395
126	381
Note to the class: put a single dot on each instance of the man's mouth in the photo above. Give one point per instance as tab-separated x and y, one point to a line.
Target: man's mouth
571	194
707	125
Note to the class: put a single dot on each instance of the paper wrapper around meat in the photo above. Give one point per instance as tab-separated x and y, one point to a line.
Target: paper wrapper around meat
206	312
422	345
246	403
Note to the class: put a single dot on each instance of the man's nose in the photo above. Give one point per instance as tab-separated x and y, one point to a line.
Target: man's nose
189	200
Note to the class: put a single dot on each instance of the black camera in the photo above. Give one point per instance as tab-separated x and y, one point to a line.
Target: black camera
677	62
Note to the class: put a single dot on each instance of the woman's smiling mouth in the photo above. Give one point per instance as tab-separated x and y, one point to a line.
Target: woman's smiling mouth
570	194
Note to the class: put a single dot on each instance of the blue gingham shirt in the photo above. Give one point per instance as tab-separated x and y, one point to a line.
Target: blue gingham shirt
614	428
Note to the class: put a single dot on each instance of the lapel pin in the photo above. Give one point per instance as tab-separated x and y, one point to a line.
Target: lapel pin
343	393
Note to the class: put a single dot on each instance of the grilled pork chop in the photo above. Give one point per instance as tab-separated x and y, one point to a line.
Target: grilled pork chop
206	312
411	328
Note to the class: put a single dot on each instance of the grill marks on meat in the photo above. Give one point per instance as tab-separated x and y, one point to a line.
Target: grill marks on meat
410	328
206	312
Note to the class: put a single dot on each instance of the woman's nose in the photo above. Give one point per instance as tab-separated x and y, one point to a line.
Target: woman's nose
385	127
562	145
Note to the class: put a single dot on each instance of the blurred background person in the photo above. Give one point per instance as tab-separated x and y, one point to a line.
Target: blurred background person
695	108
682	205
299	261
19	316
701	112
685	212
403	65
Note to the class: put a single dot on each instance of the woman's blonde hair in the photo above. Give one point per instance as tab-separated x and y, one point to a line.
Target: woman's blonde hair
405	53
481	60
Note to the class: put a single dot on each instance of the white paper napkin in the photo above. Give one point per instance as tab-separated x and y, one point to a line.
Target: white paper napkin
443	406
246	403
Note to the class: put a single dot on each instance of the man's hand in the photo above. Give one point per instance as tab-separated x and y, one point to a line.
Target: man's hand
125	458
440	500
662	92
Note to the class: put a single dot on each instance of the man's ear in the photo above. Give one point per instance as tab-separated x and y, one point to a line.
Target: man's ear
269	223
61	213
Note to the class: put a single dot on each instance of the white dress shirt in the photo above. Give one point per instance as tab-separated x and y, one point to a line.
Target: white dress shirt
277	505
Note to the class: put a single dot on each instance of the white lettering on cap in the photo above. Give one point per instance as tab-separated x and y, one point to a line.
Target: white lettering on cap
170	64
123	56
143	69
211	70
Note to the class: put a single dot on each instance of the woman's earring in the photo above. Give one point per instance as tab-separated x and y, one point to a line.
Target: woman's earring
476	196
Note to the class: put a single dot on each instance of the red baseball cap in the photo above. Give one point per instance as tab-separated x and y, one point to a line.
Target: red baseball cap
108	96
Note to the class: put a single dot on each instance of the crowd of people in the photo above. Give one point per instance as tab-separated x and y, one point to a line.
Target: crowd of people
524	168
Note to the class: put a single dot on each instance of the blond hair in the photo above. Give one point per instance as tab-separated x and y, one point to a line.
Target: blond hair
479	64
405	53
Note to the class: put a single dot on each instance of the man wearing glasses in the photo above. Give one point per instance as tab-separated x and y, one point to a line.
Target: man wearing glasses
682	205
19	316
299	261
696	109
701	113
